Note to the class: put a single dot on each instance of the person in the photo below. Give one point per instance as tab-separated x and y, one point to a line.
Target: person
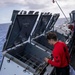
60	53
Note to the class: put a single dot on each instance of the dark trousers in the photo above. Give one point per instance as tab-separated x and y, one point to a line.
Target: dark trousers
63	71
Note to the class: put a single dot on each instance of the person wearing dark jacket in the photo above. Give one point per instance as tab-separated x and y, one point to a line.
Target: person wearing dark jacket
61	56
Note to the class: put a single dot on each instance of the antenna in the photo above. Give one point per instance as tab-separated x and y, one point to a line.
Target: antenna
61	10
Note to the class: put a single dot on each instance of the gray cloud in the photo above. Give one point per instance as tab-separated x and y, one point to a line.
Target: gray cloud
32	4
41	5
37	4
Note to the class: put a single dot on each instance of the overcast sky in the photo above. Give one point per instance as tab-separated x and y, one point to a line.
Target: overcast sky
7	6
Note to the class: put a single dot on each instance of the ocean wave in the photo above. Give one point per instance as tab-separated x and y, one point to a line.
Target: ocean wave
3	32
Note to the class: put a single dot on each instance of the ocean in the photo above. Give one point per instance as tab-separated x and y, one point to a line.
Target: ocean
3	32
